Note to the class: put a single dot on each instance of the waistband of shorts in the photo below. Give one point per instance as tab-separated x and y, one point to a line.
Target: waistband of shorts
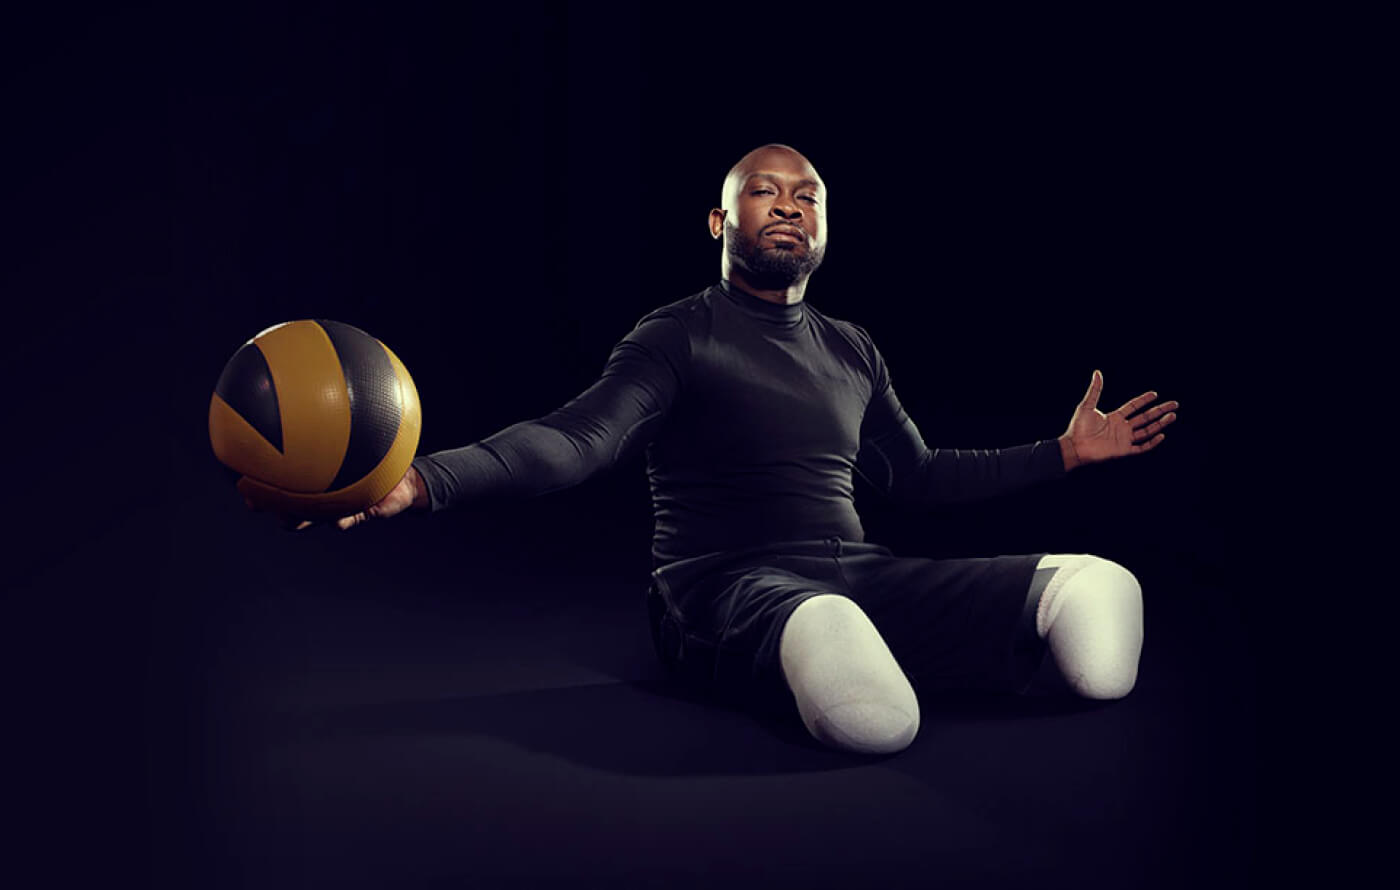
833	546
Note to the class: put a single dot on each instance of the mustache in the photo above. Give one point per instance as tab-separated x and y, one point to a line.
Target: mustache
787	228
734	234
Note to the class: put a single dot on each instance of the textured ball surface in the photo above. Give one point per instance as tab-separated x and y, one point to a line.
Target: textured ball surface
320	418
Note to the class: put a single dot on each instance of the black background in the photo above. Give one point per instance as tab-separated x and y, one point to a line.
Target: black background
499	195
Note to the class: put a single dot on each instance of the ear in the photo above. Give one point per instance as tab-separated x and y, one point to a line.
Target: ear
717	222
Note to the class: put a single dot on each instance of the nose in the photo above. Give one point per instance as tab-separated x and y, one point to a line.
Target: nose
786	209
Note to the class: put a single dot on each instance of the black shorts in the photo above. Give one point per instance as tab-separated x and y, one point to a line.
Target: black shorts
952	624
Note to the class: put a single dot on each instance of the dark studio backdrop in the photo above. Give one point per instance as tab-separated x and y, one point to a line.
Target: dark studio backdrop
499	196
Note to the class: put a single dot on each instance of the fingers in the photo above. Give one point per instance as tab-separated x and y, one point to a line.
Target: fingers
349	522
1137	404
1141	402
1156	412
293	524
1140	436
1143	429
1148	446
297	524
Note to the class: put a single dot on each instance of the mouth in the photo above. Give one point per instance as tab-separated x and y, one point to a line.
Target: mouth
787	233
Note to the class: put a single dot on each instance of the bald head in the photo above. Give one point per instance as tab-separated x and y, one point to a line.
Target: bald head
759	159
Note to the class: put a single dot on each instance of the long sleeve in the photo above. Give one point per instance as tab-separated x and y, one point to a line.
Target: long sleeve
603	425
895	461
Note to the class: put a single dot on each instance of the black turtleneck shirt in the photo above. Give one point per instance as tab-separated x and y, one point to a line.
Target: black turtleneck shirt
753	415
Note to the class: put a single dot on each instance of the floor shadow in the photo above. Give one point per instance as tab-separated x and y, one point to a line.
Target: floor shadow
649	726
626	654
990	706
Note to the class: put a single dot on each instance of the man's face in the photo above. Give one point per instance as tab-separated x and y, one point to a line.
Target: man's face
775	219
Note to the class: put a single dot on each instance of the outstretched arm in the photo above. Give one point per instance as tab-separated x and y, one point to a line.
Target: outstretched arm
589	434
607	422
594	431
896	462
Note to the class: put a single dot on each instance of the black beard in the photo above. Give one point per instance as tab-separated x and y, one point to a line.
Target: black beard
775	268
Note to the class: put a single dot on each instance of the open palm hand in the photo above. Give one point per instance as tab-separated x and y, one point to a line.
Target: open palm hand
1096	436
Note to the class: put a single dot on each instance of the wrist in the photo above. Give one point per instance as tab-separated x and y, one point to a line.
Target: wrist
1068	454
421	500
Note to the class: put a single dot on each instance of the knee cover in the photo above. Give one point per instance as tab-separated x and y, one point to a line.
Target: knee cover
850	691
1091	616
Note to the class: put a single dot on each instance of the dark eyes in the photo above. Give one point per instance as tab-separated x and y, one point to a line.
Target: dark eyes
808	198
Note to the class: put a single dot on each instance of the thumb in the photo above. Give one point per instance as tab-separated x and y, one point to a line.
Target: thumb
1091	398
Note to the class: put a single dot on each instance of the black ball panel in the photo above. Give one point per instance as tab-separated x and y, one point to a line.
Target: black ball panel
372	388
246	385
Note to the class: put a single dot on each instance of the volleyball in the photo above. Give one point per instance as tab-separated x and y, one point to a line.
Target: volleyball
320	419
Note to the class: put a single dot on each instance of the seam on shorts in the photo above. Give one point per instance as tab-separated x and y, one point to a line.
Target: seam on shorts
841	570
720	644
668	597
689	639
664	589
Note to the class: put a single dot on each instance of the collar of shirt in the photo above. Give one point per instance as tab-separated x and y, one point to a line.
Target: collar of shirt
785	315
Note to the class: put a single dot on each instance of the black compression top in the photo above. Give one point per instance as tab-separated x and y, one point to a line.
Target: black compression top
753	415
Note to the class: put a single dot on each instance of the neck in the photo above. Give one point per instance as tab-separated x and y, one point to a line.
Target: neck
787	296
